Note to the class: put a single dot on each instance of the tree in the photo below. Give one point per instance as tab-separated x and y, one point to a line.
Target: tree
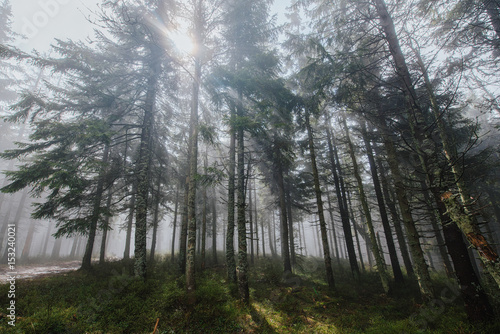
246	30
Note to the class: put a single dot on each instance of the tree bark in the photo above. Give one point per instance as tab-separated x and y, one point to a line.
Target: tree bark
242	271
379	260
102	254
230	260
214	231
176	208
290	229
319	203
285	250
156	213
130	224
250	219
396	269
144	166
193	171
330	211
341	199
87	257
460	214
419	264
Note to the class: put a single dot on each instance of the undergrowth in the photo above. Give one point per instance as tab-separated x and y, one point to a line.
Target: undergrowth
110	300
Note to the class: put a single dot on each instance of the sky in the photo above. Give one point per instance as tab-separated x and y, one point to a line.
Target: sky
41	21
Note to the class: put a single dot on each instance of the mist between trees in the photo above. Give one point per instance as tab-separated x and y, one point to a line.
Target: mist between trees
361	133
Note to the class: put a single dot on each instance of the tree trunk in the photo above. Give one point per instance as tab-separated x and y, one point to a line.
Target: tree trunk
230	260
319	202
29	240
341	199
46	240
275	240
157	197
396	269
204	228
263	236
285	250
214	231
241	209
379	260
87	257
144	166
437	231
176	207
256	220
250	219
290	229
459	213
56	250
304	233
130	224
476	302
270	237
330	211
184	229
19	211
395	219
74	247
356	232
193	171
102	254
419	264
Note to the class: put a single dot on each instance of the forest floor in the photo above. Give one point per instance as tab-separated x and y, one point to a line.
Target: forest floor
36	270
110	300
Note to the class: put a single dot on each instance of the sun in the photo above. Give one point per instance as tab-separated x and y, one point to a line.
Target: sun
182	41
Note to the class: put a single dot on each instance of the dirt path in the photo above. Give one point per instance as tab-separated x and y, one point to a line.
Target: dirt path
38	270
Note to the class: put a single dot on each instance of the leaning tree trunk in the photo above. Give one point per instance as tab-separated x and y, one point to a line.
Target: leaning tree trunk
398	275
419	265
423	143
341	199
395	219
476	301
460	213
379	260
319	202
437	231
